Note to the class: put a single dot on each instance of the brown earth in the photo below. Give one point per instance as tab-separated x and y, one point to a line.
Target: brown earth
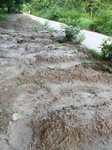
63	102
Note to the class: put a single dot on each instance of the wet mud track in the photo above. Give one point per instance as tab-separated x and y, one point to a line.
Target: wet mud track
62	105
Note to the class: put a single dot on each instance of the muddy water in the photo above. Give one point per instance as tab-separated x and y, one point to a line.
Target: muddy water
59	100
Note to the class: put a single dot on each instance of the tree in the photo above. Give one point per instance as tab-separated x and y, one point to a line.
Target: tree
12	4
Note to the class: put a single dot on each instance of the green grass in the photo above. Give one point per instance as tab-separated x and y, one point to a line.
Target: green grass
94	54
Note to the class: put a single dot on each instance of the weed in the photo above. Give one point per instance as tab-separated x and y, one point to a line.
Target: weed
94	54
46	101
3	99
80	38
107	67
51	30
92	91
50	88
74	52
106	48
19	111
20	65
36	29
47	24
86	63
57	45
56	112
19	82
7	109
71	33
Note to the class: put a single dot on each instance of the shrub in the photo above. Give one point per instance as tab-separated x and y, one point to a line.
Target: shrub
54	13
71	32
85	23
102	22
41	6
2	16
106	49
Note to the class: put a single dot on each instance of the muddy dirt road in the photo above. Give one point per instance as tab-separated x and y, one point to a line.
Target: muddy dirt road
61	104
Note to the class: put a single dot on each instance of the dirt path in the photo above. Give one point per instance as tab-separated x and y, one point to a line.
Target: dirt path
61	104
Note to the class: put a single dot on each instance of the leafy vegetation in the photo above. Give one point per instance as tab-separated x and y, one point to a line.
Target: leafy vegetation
107	67
12	6
94	54
103	59
106	49
95	15
2	16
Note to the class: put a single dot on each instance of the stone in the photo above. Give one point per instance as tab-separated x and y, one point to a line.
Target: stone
15	117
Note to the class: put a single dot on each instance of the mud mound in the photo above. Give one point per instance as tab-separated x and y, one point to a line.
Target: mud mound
76	128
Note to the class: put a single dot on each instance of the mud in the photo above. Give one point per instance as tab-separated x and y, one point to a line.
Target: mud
63	105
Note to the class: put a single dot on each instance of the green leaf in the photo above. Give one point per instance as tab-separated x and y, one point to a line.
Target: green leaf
19	111
19	82
1	110
7	109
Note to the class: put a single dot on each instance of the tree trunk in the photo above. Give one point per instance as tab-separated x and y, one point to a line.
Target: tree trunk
9	4
9	9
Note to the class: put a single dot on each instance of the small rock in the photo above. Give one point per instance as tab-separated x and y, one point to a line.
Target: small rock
32	37
15	117
19	41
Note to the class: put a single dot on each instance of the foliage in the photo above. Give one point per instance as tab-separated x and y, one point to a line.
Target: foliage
85	23
102	22
94	54
70	32
95	15
87	63
12	6
3	16
54	13
106	48
81	37
41	6
107	67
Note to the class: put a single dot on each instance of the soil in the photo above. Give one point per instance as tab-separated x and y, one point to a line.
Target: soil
63	103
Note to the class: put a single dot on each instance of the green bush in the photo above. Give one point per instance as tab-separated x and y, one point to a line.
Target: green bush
3	16
41	6
54	13
71	32
85	23
106	49
102	22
